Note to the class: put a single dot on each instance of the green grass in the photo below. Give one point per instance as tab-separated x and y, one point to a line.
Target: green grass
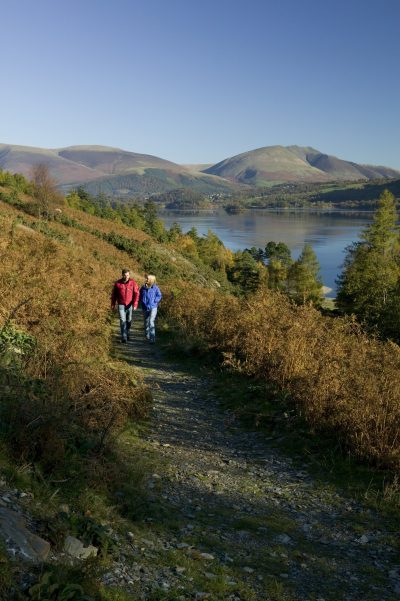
115	595
6	573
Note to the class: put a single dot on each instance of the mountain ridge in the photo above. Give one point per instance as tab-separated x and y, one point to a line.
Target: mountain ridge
123	173
279	164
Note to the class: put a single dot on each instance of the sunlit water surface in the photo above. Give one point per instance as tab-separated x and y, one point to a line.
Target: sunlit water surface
329	233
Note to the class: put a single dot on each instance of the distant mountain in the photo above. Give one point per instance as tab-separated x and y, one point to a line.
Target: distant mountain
21	159
121	173
80	163
114	161
198	166
279	164
110	170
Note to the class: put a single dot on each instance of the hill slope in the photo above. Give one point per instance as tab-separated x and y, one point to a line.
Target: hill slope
114	161
155	181
121	173
278	164
21	159
109	170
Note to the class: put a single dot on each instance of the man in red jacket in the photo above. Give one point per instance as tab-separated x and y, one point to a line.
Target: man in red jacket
125	295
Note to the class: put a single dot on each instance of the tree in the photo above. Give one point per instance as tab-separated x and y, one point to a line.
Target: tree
174	232
369	284
45	190
279	262
256	253
304	282
278	250
246	272
154	226
193	233
213	253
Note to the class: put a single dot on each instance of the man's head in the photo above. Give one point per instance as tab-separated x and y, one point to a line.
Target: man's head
125	274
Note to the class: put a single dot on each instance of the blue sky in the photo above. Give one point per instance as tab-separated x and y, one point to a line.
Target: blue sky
199	80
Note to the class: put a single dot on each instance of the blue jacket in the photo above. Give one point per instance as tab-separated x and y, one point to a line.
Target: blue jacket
150	297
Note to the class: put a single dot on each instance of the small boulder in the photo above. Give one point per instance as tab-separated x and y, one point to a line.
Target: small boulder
20	542
74	547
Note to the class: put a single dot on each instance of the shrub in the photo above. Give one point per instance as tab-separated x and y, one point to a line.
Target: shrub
340	379
62	395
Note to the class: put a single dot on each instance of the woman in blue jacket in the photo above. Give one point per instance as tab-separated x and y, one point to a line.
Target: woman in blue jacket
150	296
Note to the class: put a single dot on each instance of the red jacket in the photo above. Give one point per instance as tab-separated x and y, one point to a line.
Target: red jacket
125	293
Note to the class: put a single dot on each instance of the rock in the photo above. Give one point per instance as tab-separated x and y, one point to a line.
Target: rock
200	596
147	542
130	535
284	539
179	570
363	539
248	570
227	559
19	541
207	556
74	547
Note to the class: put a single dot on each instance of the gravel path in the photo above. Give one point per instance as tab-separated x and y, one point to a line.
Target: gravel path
234	519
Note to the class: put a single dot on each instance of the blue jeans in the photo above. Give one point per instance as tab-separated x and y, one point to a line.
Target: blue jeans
149	316
125	320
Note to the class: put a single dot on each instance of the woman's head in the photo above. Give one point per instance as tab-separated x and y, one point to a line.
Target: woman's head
149	279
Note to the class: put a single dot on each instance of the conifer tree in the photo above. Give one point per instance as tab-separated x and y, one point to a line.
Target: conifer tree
279	262
248	273
304	282
370	283
154	226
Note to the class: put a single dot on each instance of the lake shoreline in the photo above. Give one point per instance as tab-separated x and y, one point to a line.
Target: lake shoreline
328	231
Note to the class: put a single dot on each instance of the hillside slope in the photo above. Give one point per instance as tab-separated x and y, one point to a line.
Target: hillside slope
21	159
278	164
148	181
111	171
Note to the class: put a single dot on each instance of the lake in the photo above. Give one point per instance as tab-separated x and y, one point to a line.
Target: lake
329	233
